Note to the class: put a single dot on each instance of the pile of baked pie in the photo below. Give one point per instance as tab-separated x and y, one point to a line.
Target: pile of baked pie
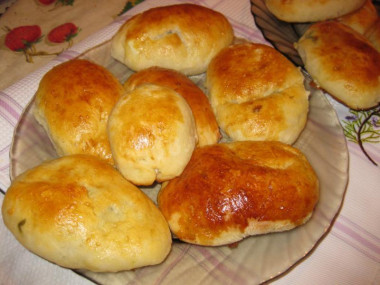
340	49
224	158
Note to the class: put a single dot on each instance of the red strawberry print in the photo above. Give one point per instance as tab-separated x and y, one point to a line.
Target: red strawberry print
23	37
46	2
63	33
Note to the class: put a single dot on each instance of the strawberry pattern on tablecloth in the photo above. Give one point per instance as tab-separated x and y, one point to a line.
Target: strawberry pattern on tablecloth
25	38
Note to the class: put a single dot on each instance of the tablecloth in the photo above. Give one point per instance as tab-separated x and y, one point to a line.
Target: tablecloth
350	251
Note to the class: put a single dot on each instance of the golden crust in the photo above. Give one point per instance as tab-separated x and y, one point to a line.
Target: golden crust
342	62
232	190
207	127
73	102
152	134
360	20
182	37
311	10
257	94
79	212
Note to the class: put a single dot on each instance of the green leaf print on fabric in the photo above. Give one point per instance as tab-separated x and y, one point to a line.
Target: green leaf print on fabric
363	127
129	5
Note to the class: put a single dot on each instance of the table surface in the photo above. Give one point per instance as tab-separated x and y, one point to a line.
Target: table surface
348	254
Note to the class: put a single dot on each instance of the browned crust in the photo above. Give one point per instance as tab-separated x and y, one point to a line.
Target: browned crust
239	186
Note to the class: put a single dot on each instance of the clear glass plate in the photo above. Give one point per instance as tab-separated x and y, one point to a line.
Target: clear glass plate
255	259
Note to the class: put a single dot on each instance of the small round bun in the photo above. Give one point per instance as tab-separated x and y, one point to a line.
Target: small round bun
182	37
373	34
311	10
342	62
79	212
152	134
73	102
229	191
207	127
257	94
362	19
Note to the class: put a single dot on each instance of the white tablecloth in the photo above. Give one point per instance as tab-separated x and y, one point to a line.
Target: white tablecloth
348	254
